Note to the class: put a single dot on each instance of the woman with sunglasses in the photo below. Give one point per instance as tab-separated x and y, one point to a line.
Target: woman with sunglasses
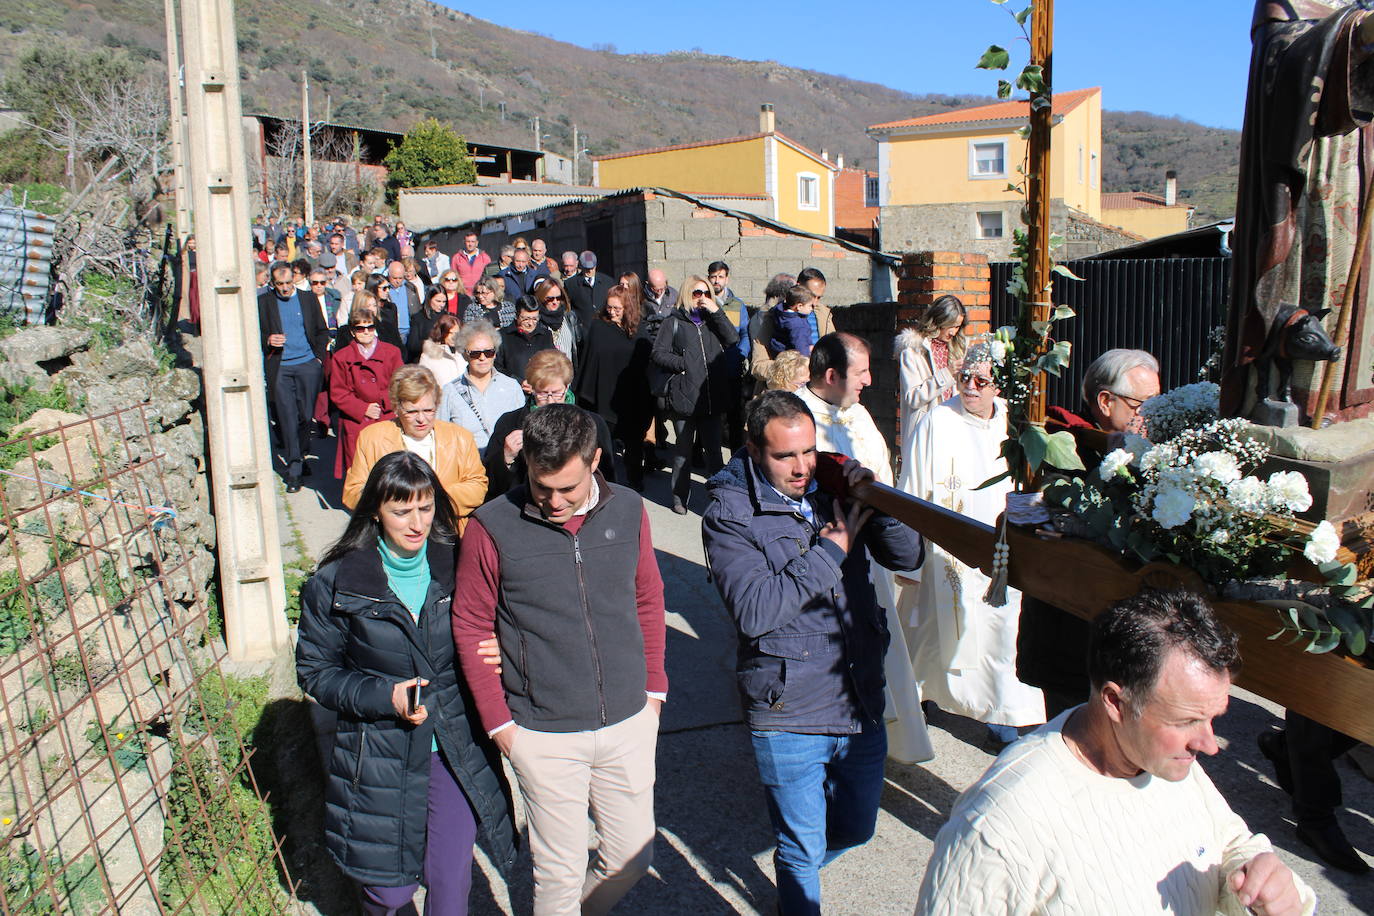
456	299
359	378
963	650
557	316
695	379
479	397
411	785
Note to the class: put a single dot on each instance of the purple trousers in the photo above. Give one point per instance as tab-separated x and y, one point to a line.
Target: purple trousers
450	832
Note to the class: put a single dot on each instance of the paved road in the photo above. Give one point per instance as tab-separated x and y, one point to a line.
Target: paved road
714	852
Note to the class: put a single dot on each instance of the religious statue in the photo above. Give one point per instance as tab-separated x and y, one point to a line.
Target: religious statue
1306	144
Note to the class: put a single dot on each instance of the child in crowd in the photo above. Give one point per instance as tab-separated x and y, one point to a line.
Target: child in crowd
791	331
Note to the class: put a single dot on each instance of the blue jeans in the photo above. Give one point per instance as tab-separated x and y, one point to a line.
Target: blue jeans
823	793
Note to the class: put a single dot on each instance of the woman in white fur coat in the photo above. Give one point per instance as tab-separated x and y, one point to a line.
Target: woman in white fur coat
929	356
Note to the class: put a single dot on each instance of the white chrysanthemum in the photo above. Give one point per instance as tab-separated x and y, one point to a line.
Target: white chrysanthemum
1173	507
999	351
1247	495
1289	489
1114	464
1219	466
1220	536
1321	546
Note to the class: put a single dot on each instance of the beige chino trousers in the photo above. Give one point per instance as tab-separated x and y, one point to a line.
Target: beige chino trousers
565	776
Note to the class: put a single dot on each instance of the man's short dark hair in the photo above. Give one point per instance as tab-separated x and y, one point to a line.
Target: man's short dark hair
808	274
281	267
1130	639
717	266
772	405
337	235
302	266
555	434
527	303
833	352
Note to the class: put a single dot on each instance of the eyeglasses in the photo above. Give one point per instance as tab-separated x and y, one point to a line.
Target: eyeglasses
1133	403
359	328
978	381
548	397
417	412
698	293
553	298
488	353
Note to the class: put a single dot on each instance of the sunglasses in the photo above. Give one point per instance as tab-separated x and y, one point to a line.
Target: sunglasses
979	381
359	328
698	293
450	279
488	353
319	282
553	298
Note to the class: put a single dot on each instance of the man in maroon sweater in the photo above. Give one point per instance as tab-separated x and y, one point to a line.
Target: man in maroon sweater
562	568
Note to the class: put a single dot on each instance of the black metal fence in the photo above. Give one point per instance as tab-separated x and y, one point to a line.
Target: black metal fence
1166	306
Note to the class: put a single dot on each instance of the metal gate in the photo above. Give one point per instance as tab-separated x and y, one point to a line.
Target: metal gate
1166	306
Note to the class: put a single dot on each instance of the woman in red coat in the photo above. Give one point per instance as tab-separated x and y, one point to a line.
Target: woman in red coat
359	374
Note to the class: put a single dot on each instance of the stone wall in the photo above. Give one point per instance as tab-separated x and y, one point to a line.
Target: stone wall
928	227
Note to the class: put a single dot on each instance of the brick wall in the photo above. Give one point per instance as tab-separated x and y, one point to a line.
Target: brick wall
928	275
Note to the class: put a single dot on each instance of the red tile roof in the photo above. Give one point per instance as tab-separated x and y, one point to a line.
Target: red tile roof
700	143
1064	102
1133	200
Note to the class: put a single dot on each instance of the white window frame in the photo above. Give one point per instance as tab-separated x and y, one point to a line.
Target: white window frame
871	190
978	230
802	179
1094	170
973	172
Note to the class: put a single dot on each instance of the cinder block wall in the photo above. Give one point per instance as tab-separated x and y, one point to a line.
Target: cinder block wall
682	239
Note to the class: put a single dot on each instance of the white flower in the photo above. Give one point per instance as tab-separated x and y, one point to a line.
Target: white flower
1247	495
1114	464
1321	546
1220	536
1289	488
1173	507
999	351
1220	466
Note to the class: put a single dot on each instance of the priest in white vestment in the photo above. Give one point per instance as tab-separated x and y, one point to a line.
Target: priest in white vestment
843	425
963	650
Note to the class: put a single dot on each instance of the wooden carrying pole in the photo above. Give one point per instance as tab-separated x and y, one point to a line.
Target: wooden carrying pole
1352	286
1085	578
1038	182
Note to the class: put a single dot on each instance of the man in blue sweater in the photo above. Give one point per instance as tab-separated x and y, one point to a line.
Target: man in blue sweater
295	340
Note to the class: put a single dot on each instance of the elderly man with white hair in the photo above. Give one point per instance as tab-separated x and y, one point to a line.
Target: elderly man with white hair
963	649
1114	386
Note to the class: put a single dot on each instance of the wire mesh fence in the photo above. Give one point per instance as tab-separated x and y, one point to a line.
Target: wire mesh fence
126	778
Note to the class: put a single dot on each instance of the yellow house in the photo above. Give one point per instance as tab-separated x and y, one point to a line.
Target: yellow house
962	161
1146	214
800	184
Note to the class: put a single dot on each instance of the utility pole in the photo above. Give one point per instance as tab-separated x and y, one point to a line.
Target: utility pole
177	122
305	139
1038	180
538	142
242	482
577	154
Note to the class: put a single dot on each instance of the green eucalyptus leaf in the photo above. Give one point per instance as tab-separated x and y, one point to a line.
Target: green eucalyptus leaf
1022	16
1003	89
994	58
1324	642
1035	441
1062	452
1063	271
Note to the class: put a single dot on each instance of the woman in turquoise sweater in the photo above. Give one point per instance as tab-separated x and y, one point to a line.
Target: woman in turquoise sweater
411	787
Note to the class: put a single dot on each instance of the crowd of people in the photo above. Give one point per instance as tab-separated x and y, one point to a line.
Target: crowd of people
496	593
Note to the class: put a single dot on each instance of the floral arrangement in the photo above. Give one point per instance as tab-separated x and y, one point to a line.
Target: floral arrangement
1187	492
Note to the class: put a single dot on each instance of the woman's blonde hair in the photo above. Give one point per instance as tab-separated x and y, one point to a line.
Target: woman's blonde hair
686	300
410	383
942	313
782	373
548	367
364	308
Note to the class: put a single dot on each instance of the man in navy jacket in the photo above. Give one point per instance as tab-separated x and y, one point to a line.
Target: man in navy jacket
791	563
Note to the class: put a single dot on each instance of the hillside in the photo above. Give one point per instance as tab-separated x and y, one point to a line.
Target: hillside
387	63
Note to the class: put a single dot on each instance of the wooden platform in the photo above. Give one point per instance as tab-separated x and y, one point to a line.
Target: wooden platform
1084	578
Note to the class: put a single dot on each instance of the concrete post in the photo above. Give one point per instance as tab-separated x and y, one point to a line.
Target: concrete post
244	487
176	121
305	139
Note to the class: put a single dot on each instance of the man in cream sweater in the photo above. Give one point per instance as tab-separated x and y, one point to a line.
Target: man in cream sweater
1103	810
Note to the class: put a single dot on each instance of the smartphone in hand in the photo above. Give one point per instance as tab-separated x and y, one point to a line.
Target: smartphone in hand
413	697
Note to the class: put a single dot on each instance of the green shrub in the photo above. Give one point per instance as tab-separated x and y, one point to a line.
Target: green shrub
24	873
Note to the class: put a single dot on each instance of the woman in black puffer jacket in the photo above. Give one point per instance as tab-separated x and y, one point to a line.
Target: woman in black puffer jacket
694	379
408	789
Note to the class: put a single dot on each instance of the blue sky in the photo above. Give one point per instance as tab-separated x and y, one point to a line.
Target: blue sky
1171	57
